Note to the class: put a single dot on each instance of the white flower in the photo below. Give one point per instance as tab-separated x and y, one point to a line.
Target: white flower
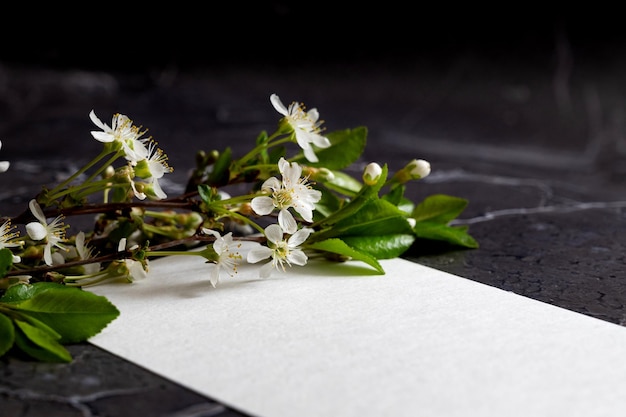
153	167
84	252
371	173
122	131
306	126
7	237
53	233
228	255
282	251
293	191
419	168
4	165
135	270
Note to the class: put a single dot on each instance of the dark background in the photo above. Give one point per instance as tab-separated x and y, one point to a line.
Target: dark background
285	35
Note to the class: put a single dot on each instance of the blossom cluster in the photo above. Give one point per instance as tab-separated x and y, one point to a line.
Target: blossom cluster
297	205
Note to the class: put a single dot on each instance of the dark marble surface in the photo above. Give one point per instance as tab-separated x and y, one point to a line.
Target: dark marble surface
533	137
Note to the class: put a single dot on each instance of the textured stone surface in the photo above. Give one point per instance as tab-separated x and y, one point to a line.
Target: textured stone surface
537	146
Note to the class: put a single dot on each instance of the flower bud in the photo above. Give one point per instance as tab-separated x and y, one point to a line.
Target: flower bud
318	174
418	168
108	172
372	173
414	170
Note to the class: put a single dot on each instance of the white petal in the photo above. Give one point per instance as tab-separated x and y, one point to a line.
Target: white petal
121	246
47	255
274	233
4	165
313	115
271	184
262	205
287	222
36	231
214	277
136	270
305	211
101	136
96	121
321	141
299	237
220	246
266	270
35	208
278	105
210	232
80	244
158	191
282	165
313	195
259	253
291	173
309	154
57	258
297	257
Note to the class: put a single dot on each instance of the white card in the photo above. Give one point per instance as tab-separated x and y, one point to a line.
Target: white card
338	340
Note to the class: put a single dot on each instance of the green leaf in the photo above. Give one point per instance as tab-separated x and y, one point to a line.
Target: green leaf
378	228
328	204
343	183
373	218
207	193
439	208
17	293
39	343
7	334
387	246
346	148
220	174
367	193
6	260
339	247
456	235
396	197
74	313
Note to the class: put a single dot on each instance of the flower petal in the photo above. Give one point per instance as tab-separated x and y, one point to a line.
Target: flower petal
266	270
36	231
35	208
291	173
287	222
297	257
102	136
96	121
320	141
309	154
274	233
47	255
262	205
278	105
214	276
299	237
258	254
271	184
305	210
